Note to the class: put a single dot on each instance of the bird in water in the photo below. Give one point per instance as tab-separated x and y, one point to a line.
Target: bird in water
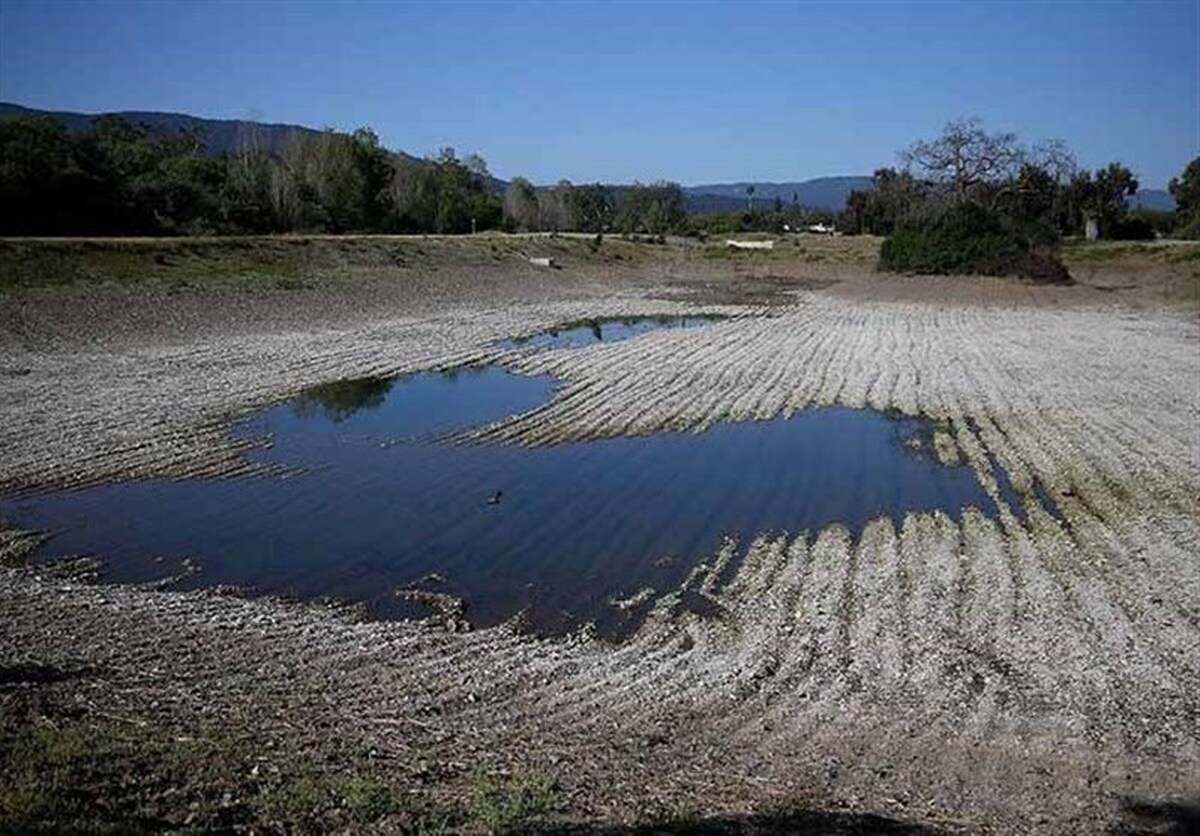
494	499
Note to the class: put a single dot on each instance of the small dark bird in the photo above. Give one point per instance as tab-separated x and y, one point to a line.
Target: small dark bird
494	499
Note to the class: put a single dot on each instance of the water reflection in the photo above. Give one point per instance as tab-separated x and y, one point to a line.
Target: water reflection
558	533
586	332
339	400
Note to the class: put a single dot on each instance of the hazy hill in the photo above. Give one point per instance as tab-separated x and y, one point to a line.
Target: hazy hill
713	204
821	193
220	135
1153	199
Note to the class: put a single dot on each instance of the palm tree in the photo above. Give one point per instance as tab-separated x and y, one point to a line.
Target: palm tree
750	198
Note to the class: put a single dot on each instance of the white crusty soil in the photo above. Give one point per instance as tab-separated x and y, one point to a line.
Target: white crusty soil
975	675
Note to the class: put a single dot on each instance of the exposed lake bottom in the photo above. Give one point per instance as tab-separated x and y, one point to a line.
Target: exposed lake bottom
383	499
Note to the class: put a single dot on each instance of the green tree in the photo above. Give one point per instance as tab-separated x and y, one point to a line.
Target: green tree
1115	184
1102	196
657	208
442	194
413	194
114	178
971	201
245	200
1186	191
39	177
896	196
374	167
185	194
1030	202
593	208
457	185
331	187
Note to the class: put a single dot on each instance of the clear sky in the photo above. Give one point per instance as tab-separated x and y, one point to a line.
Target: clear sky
694	92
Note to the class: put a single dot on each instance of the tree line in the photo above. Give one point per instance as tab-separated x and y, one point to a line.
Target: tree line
1038	190
118	178
656	209
971	201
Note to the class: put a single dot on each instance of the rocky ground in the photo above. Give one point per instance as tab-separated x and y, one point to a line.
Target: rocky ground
1034	673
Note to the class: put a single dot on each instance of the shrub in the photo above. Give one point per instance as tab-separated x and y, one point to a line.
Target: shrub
1189	228
1161	221
1044	268
963	239
1132	228
968	239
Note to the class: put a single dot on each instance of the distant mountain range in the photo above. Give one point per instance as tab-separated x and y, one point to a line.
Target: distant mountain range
1159	199
826	193
222	136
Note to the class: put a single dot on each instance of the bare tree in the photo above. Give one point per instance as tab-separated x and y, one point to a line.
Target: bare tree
657	208
286	177
555	207
1055	158
412	193
521	205
333	175
965	157
248	140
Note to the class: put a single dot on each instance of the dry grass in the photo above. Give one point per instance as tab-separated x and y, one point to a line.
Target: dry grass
1139	274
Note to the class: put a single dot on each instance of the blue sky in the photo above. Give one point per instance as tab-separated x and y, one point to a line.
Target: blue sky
694	92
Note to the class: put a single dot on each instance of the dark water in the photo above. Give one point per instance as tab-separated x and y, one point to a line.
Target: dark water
385	503
604	330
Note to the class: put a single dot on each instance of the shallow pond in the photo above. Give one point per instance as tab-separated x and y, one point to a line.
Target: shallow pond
605	330
558	532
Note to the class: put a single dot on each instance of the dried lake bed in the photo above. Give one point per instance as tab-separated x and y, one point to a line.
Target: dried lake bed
383	502
1027	663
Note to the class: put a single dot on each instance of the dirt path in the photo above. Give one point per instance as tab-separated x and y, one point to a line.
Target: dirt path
984	675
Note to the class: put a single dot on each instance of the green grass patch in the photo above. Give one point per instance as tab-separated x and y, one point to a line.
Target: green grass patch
69	777
1101	252
279	263
183	264
102	776
1171	252
513	804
